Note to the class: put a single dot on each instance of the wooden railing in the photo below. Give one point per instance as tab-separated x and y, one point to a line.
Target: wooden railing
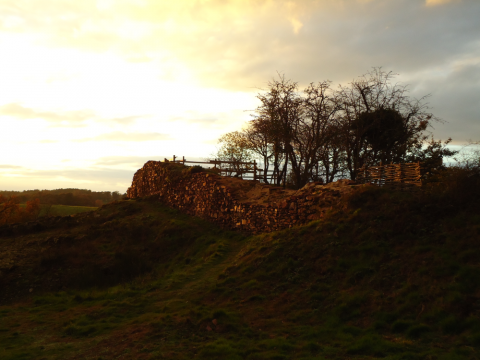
396	175
234	169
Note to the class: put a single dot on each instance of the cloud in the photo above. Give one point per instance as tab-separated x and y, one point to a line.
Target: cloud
129	161
126	120
48	141
10	167
455	97
122	136
239	45
296	24
79	174
70	118
439	2
63	118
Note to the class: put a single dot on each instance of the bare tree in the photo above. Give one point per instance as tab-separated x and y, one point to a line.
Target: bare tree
299	128
261	143
321	134
379	121
321	150
280	109
331	157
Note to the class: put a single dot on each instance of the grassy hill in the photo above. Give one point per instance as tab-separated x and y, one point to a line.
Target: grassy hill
61	210
64	210
390	275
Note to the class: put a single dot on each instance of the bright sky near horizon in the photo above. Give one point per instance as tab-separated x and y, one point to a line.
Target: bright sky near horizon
91	89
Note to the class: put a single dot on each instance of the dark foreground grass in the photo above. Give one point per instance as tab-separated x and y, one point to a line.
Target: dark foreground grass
62	210
387	277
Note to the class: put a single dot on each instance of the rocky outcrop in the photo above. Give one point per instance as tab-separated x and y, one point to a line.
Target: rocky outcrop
234	203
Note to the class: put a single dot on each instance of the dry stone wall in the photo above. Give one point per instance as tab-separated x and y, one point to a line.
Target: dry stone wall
234	203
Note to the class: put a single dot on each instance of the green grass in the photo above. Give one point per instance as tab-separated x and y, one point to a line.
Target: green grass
64	210
144	281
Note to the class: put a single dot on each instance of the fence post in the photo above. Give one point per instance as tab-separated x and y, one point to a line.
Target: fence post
173	158
254	170
183	160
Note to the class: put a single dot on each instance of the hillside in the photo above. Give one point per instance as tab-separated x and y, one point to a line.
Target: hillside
387	275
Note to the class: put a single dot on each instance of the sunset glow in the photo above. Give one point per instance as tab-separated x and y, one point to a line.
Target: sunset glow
90	90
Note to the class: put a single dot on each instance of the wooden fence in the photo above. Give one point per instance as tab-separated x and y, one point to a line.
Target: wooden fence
396	175
242	170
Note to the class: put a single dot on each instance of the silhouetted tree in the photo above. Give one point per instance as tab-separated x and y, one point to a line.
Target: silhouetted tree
431	156
296	127
320	134
379	121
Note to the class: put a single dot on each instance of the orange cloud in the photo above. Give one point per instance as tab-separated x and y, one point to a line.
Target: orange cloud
20	112
122	136
439	2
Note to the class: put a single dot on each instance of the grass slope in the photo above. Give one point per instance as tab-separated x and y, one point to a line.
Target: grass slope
392	275
62	210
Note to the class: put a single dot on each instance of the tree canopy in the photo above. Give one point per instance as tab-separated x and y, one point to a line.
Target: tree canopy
321	133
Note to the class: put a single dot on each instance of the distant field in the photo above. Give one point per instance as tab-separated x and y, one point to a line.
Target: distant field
63	210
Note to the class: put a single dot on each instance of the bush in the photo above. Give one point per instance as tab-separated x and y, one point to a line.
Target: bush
459	186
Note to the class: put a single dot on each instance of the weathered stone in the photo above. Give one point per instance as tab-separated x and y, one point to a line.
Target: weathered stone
254	207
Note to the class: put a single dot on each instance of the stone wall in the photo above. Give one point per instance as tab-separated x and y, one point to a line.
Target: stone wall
234	203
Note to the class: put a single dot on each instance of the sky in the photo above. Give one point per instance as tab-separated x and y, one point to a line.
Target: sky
92	89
